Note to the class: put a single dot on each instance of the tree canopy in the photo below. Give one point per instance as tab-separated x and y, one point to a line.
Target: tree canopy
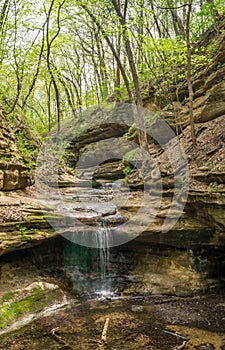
59	56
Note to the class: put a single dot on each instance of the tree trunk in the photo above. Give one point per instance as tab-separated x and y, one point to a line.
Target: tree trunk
138	112
3	14
49	45
189	67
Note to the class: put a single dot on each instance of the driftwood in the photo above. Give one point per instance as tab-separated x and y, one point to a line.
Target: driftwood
105	330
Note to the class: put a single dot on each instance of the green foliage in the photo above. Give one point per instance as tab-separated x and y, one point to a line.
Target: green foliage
27	150
127	171
168	168
21	229
218	66
25	232
128	157
80	61
6	157
132	132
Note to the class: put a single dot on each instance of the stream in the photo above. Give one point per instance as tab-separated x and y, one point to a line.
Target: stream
154	296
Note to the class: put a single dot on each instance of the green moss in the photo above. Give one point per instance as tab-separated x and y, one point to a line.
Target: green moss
21	229
26	231
213	188
127	171
35	218
15	309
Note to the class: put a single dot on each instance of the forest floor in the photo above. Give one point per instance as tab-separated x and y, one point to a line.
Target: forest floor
150	322
156	323
136	321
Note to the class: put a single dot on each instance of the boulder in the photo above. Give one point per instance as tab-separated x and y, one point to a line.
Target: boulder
104	151
25	305
14	176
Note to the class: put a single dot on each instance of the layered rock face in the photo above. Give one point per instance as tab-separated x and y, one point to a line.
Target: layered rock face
204	210
209	113
13	173
208	85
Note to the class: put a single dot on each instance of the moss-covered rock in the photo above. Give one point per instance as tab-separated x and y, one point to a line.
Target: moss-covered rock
24	305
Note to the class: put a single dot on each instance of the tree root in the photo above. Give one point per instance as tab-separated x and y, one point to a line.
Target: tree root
179	347
60	340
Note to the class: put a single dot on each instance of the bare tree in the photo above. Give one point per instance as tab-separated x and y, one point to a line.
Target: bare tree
189	74
134	98
138	114
49	45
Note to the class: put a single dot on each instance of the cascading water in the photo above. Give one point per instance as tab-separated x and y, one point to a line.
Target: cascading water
88	263
103	236
89	268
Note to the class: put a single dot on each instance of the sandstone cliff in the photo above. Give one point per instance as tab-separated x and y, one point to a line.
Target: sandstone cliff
14	174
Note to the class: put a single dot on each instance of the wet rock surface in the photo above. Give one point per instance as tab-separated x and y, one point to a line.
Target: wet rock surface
24	223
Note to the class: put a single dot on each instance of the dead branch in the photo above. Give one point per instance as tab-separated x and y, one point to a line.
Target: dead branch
105	330
179	347
176	335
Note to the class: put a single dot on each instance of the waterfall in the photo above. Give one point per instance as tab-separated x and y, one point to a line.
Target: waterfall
103	236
